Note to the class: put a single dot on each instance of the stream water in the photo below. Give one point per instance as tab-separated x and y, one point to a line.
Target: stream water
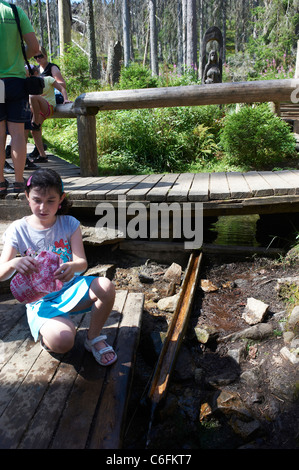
276	231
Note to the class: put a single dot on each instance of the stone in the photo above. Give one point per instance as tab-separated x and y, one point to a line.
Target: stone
202	335
255	311
293	321
102	270
208	286
238	353
168	304
292	356
173	273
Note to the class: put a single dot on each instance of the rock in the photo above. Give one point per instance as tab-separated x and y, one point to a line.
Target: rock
205	412
100	236
238	353
168	304
258	332
292	356
174	273
251	377
230	403
102	270
247	430
145	278
293	321
288	336
255	311
202	335
208	286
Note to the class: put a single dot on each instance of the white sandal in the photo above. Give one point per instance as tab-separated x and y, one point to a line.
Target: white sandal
89	345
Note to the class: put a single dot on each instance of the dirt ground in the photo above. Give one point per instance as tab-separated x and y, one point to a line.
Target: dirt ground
214	401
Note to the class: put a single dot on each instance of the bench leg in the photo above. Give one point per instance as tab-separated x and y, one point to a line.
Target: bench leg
87	140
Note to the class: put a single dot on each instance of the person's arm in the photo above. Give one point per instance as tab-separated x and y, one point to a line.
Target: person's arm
32	45
9	263
58	76
78	265
62	90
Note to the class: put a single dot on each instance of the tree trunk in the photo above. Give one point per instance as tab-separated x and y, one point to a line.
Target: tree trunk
64	14
93	69
153	37
49	28
126	32
191	35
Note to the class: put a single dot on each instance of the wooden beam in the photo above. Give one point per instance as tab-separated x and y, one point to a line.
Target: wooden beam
194	95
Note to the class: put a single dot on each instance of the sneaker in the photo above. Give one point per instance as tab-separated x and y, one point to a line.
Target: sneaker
8	168
30	165
3	187
35	152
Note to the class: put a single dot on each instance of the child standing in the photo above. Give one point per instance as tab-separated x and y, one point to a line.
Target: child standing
47	230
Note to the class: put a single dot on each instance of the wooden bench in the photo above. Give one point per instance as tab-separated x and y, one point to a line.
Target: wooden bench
65	402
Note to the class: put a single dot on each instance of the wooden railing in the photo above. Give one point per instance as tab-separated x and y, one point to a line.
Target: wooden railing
87	105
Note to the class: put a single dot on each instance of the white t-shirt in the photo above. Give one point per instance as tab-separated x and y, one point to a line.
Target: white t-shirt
30	241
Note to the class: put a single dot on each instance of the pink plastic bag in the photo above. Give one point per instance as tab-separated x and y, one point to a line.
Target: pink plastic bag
27	289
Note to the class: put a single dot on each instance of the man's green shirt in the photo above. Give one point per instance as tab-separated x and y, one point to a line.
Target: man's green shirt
11	57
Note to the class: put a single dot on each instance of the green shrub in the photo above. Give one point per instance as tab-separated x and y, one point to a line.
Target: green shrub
256	138
136	76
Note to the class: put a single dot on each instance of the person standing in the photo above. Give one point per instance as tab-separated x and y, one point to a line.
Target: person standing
14	109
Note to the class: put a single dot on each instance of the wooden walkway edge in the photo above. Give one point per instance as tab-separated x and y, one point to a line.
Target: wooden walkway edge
65	402
220	193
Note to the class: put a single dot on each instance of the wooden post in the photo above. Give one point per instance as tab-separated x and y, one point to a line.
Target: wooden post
86	125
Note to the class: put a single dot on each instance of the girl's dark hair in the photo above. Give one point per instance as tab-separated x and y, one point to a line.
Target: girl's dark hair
45	178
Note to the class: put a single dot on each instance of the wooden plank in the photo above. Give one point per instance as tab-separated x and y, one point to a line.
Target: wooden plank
292	177
83	400
180	190
160	190
280	186
258	185
125	187
219	188
108	424
138	193
238	186
14	420
109	184
83	186
199	190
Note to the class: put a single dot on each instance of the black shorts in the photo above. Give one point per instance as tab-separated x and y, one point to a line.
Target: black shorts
16	106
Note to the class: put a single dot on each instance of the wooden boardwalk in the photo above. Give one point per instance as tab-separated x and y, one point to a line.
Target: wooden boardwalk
65	402
220	193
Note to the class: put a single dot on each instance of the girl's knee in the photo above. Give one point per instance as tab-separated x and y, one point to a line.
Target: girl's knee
59	335
103	288
60	342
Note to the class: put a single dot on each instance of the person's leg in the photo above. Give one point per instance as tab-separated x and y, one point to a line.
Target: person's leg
18	148
101	298
2	148
38	140
38	105
58	334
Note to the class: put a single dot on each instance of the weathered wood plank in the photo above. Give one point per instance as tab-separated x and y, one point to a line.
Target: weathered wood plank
291	177
138	193
219	188
107	185
280	187
258	185
125	187
160	190
180	189
199	190
238	186
108	424
84	397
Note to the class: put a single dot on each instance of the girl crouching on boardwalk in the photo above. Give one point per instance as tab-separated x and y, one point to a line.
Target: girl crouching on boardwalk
40	236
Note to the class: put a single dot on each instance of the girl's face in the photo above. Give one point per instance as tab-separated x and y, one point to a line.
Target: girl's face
44	204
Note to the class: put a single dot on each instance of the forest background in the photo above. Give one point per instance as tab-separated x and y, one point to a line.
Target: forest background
161	46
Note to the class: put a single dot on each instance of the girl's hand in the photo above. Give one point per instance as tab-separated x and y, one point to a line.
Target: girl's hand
25	265
65	272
